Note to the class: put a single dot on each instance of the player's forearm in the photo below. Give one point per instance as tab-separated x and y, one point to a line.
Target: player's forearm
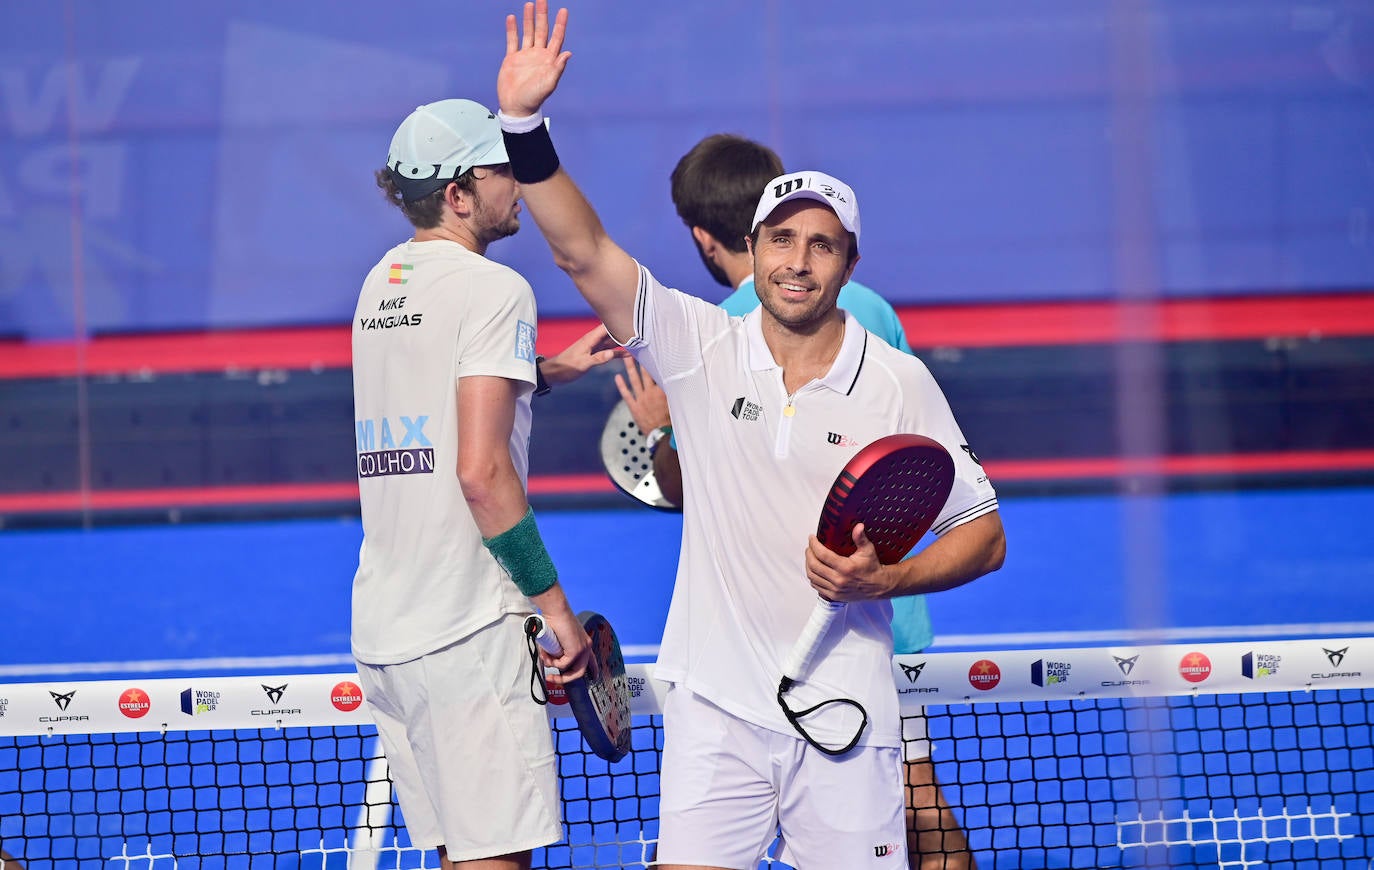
493	493
963	554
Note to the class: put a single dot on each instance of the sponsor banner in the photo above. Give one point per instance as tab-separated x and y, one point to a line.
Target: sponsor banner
1133	671
181	704
193	703
203	703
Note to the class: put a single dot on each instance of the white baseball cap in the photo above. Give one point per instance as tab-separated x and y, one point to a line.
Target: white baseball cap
440	141
810	185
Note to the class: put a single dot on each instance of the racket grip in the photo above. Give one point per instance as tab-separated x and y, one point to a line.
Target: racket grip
799	660
537	628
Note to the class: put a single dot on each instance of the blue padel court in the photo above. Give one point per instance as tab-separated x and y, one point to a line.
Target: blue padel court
1256	780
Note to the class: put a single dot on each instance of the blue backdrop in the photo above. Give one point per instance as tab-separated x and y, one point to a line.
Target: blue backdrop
169	165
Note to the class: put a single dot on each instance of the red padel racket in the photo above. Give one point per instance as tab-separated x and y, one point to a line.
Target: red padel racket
896	487
600	698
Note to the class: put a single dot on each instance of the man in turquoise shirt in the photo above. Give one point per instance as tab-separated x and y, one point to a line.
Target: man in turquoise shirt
715	187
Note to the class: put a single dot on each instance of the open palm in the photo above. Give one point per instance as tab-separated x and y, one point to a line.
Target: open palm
534	61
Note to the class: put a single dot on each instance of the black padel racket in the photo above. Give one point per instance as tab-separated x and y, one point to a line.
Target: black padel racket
896	487
600	698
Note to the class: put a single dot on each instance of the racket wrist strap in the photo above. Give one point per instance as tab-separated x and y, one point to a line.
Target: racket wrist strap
520	551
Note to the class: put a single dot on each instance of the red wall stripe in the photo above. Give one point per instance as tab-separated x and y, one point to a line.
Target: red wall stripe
1087	469
1030	323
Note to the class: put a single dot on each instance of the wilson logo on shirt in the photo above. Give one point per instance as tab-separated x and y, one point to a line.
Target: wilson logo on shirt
885	850
840	440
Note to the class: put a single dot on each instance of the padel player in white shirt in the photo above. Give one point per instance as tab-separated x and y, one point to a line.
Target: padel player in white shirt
762	402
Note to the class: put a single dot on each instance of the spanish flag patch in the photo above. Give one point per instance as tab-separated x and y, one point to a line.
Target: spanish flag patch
400	273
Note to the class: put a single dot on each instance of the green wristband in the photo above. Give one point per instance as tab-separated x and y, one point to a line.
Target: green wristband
520	551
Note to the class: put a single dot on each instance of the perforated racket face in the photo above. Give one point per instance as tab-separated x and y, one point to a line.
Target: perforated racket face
625	455
896	487
600	700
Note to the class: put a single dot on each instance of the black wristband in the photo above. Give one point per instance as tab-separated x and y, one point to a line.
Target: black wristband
532	157
541	386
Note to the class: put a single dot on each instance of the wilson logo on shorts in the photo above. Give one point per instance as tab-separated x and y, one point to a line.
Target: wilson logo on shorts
400	273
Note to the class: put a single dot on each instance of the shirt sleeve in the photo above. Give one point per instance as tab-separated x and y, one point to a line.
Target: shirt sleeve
972	494
498	331
672	328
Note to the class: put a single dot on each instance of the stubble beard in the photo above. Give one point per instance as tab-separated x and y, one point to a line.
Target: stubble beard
805	320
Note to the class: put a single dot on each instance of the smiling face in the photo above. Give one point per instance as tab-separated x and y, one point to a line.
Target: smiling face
801	260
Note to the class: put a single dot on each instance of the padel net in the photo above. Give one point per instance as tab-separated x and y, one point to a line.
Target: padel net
1205	755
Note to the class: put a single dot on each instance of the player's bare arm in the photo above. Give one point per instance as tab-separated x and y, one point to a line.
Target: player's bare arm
494	494
605	275
592	349
962	554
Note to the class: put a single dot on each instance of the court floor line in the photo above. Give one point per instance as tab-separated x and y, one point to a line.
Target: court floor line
647	652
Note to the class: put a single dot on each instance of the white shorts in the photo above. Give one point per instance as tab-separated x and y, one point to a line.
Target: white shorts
470	752
728	785
915	739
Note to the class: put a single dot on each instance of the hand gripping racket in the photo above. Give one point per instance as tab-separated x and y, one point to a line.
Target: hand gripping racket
600	698
896	487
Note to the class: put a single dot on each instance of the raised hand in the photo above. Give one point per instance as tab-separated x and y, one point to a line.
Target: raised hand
534	60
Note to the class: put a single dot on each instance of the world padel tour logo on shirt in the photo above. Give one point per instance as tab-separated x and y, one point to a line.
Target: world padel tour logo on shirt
1195	667
1254	666
984	675
524	341
346	696
1045	673
743	409
134	703
381	454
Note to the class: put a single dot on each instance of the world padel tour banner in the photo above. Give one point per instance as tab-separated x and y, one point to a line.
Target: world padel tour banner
197	166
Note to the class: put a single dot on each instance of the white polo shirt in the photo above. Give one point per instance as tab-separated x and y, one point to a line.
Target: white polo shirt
430	313
755	480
